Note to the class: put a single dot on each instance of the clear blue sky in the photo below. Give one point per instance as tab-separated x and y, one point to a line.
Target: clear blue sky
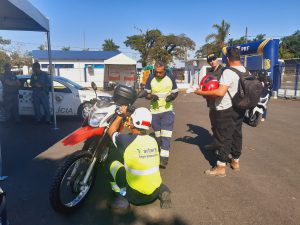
117	19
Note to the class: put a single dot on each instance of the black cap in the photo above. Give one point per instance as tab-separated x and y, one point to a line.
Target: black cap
211	57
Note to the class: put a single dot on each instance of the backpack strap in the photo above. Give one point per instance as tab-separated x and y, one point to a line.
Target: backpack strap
239	73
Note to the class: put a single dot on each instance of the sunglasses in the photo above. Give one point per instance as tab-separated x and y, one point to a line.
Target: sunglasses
211	59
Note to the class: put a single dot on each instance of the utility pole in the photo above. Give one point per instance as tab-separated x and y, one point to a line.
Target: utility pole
246	35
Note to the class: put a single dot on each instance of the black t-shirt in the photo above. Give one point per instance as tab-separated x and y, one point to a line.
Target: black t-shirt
216	73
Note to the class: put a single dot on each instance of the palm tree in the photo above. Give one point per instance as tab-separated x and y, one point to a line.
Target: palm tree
109	45
220	36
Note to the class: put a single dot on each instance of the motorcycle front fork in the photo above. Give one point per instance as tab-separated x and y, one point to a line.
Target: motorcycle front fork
89	171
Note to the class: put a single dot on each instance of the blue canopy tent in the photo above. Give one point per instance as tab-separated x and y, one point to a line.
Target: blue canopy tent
23	16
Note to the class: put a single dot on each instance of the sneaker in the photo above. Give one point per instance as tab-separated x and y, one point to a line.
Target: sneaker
235	164
211	147
219	171
165	197
119	203
163	162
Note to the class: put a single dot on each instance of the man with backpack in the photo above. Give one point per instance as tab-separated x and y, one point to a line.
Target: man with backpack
228	116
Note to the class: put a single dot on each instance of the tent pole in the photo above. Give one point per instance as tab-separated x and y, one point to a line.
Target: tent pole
51	75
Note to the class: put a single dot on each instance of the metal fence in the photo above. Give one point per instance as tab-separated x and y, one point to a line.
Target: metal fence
289	81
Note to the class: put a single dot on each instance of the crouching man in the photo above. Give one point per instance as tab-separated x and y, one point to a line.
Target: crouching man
135	176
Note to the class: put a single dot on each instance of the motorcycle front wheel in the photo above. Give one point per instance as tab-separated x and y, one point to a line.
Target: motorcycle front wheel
68	191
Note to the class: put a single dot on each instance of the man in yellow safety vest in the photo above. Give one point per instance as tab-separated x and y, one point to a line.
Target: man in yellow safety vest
135	176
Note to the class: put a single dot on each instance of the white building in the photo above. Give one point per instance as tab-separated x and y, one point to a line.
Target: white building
84	67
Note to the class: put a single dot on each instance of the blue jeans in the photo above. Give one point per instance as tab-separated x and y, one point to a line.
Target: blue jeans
41	98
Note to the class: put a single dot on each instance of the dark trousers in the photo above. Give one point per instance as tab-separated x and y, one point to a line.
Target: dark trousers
41	98
162	124
11	106
212	119
227	125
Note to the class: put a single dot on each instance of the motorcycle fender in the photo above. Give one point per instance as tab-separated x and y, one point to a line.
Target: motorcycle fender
259	110
81	134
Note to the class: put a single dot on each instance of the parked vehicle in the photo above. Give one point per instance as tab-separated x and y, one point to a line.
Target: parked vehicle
70	98
75	176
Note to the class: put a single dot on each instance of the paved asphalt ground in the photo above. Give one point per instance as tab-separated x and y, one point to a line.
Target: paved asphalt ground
265	191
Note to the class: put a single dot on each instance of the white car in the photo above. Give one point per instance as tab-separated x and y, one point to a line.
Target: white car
70	98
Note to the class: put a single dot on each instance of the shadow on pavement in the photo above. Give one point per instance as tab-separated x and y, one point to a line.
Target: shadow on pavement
31	155
203	138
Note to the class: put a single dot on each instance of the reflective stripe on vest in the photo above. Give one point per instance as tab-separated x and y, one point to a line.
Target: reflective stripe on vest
141	158
142	172
114	167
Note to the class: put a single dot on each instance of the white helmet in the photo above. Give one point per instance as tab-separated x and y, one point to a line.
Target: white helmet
141	118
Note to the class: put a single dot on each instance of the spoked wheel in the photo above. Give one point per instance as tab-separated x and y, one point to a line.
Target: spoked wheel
68	191
83	110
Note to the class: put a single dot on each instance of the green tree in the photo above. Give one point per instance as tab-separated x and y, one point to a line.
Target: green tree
218	39
42	47
153	45
4	58
4	41
290	46
66	48
259	37
205	49
19	60
109	45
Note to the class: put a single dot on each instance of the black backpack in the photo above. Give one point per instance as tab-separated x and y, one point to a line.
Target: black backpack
249	90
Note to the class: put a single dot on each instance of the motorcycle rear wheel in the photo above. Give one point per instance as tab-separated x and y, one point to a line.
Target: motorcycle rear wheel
67	191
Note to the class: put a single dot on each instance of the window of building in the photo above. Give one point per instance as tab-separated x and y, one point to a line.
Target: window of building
58	66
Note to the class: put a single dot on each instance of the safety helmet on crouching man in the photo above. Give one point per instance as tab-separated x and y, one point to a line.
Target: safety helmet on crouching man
141	118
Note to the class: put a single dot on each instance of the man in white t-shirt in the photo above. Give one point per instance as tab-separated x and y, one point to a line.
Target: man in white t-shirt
228	120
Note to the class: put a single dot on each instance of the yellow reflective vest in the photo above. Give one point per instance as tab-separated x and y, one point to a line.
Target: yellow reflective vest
141	161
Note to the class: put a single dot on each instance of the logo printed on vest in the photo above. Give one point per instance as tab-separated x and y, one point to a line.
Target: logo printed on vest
147	153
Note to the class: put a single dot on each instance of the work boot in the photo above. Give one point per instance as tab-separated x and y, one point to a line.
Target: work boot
165	197
119	203
216	171
211	147
163	162
235	164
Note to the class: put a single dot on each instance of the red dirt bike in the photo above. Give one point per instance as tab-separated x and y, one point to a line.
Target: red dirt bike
74	177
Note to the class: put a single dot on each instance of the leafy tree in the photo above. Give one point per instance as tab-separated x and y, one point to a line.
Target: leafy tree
4	58
205	50
42	47
66	48
259	37
109	45
218	38
20	60
4	41
290	46
153	45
